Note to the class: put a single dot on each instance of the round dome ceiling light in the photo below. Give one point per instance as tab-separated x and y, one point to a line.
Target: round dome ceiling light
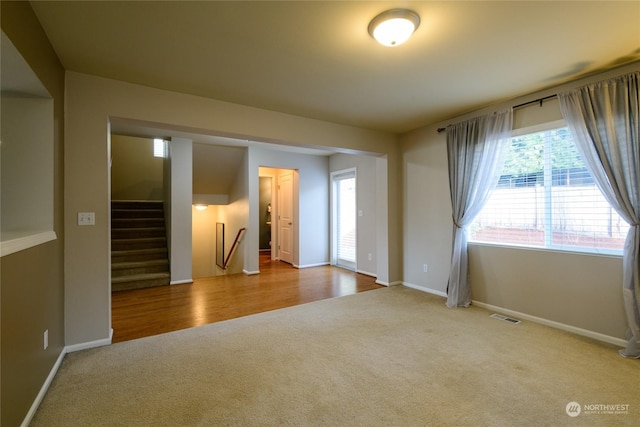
394	27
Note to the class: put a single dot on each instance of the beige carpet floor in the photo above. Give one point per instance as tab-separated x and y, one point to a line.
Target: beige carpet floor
386	357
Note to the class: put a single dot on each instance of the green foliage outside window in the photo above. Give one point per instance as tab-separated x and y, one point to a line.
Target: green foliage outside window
526	155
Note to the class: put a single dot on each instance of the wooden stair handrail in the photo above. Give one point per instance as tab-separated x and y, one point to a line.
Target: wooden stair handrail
234	247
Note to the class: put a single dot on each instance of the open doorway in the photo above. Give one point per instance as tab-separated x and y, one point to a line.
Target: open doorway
277	204
266	208
139	246
285	229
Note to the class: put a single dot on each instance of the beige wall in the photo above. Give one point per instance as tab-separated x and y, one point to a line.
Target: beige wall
366	194
135	173
180	245
32	280
236	216
581	292
204	241
232	214
27	123
310	206
91	100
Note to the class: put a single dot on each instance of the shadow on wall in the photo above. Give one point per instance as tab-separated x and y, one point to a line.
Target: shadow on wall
144	190
135	173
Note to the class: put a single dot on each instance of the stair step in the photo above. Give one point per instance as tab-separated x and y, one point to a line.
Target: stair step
134	255
144	243
119	269
140	277
120	223
139	255
134	264
140	281
122	244
137	233
137	204
137	213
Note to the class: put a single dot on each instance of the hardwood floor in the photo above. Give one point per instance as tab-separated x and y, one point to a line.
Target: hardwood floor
145	312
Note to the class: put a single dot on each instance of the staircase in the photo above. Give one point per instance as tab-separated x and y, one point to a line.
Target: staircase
139	256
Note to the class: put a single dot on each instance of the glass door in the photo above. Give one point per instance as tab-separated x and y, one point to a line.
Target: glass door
344	219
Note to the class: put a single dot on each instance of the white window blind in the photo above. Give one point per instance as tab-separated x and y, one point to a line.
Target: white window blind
159	148
345	219
547	198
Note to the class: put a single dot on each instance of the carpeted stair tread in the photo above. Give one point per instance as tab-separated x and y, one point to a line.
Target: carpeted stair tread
139	245
127	223
138	277
133	264
139	251
137	204
142	238
137	233
138	229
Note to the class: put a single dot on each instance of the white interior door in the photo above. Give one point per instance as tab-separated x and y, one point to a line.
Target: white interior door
285	216
343	231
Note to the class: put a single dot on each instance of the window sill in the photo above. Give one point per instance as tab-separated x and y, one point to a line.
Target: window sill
14	241
540	249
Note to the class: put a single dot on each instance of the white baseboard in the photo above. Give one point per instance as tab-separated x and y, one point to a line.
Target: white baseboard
568	328
423	289
396	283
54	371
557	325
251	273
91	344
366	273
180	282
43	390
320	264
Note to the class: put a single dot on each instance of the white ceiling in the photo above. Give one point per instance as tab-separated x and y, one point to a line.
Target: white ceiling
316	59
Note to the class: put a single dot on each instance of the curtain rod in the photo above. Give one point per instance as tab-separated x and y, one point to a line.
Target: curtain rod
524	104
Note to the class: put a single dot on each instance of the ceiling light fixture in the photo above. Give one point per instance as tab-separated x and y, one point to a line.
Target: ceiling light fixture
394	27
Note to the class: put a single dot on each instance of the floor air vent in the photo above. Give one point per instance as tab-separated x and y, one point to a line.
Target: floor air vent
505	318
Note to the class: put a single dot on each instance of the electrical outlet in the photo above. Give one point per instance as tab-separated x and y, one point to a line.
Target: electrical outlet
370	257
425	268
46	339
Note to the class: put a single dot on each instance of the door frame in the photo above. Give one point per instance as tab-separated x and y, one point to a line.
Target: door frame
272	172
292	220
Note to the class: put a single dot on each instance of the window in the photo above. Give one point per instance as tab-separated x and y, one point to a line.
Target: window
159	148
547	198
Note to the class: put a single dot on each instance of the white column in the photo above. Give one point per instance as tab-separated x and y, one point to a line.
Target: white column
181	152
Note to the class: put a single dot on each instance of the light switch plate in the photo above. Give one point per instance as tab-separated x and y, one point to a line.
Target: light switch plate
86	218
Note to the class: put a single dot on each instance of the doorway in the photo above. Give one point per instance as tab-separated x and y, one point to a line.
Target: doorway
278	213
343	219
285	216
265	201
